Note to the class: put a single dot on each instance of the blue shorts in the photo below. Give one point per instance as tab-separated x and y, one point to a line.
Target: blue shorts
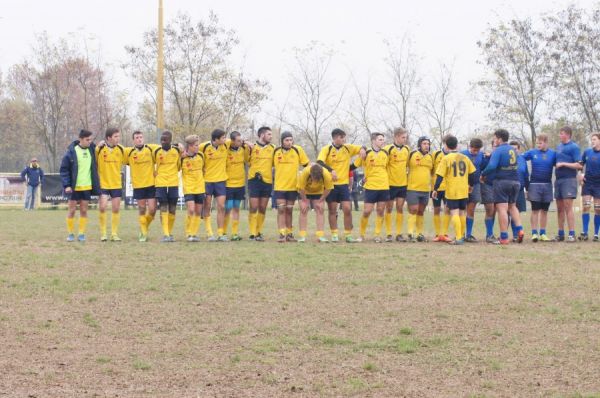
144	193
194	197
487	193
238	193
313	196
215	188
417	198
521	202
339	193
441	197
81	195
113	193
460	204
565	188
397	192
475	195
258	188
377	195
540	192
289	196
167	194
590	189
506	191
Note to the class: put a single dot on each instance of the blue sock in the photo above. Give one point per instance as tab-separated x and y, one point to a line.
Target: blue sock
534	232
543	231
470	226
489	227
585	219
561	232
596	224
515	229
571	233
503	235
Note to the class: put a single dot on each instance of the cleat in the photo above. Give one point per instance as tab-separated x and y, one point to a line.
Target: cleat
251	237
301	239
103	238
171	238
595	238
422	238
81	238
377	239
570	239
281	238
70	238
335	238
236	238
142	238
115	238
400	238
350	239
583	237
559	238
502	242
515	239
389	238
211	239
520	236
437	238
411	238
323	239
545	238
457	242
190	239
359	239
471	239
490	239
535	238
290	238
259	238
166	239
223	238
445	238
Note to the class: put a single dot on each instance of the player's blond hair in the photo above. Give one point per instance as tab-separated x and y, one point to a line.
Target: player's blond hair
191	140
400	131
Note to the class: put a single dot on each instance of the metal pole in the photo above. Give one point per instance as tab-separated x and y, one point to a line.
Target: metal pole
160	124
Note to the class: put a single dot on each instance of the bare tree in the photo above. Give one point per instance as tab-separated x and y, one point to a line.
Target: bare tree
439	103
360	110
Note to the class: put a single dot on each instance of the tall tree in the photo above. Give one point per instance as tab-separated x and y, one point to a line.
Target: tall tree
439	103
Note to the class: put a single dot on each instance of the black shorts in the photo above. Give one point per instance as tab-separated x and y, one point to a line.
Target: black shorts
197	198
460	204
167	194
259	189
377	195
313	196
441	197
591	189
339	194
81	195
238	193
398	192
289	196
144	193
113	193
215	188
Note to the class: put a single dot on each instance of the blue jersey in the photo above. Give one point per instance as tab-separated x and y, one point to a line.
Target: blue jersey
477	161
542	164
489	179
523	171
504	161
591	160
567	153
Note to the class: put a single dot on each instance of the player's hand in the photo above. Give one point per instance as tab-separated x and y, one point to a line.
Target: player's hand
482	179
363	153
68	190
304	205
319	205
434	195
334	175
249	144
101	144
470	189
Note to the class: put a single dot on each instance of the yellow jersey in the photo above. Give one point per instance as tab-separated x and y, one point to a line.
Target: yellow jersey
397	167
420	170
339	160
286	163
141	165
192	174
261	161
310	187
215	162
437	158
110	161
455	169
375	165
167	165
236	166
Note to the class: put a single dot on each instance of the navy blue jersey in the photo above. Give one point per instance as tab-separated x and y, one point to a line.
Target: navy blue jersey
522	171
591	160
567	153
504	162
489	179
477	161
542	164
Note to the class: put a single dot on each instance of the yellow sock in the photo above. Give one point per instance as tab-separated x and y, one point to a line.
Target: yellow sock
334	232
252	221
388	223
220	232
282	231
208	226
171	223
70	225
420	224
225	223
289	230
149	220
463	225
320	234
378	223
302	234
457	226
399	222
347	232
164	220
196	220
115	220
143	224
235	227
82	225
102	218
260	222
437	224
446	224
364	221
188	225
412	224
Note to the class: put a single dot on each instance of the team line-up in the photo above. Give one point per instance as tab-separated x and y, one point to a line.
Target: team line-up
215	171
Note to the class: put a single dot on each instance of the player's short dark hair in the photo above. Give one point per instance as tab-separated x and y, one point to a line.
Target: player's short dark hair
136	132
217	134
167	133
110	132
85	133
515	142
502	134
451	141
567	129
476	143
338	133
263	130
316	172
444	138
375	135
234	135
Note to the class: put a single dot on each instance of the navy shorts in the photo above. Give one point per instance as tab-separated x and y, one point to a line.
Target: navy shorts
339	193
167	194
313	196
194	197
565	188
113	193
144	193
397	192
289	196
590	189
460	204
215	188
238	193
487	193
377	195
475	195
81	195
506	191
540	192
417	198
259	189
441	197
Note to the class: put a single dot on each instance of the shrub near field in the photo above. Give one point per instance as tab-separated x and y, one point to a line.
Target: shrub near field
252	319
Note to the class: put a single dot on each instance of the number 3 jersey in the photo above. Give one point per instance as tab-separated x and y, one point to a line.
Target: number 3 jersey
455	169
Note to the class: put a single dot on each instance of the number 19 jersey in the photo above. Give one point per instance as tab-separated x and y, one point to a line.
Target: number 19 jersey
455	169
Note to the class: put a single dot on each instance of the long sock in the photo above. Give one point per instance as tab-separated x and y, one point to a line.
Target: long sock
226	222
379	222
319	234
82	225
220	232
235	226
561	232
534	231
388	223
102	218
514	228
208	226
171	223
260	222
399	222
596	223
196	225
457	225
412	224
70	225
289	230
143	220
470	223
364	221
347	232
445	224
489	227
437	224
463	226
542	231
504	235
164	220
252	220
334	231
188	225
420	224
585	219
115	221
302	233
571	232
149	220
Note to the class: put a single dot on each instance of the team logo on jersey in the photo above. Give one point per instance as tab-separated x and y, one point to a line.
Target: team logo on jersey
188	165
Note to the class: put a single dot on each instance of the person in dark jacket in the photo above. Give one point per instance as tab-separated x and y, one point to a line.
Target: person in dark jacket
33	175
79	174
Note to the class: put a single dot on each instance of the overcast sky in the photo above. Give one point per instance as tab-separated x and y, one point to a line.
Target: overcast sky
442	31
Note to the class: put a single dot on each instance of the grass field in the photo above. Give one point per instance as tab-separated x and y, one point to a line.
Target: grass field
264	320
